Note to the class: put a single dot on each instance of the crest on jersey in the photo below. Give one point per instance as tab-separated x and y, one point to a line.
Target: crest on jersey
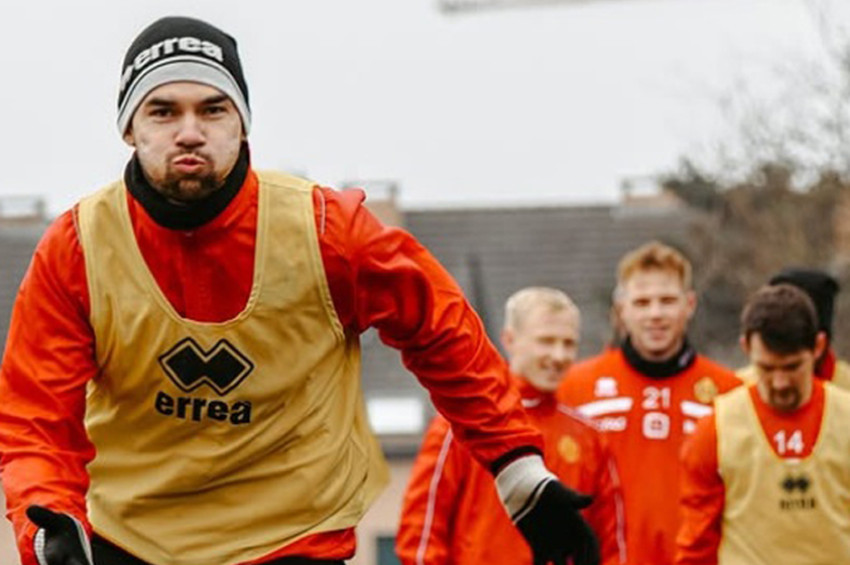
605	387
705	390
569	449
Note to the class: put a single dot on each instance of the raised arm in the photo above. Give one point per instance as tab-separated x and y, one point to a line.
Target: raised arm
381	277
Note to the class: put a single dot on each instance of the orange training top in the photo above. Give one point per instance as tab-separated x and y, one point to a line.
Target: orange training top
378	276
452	514
646	420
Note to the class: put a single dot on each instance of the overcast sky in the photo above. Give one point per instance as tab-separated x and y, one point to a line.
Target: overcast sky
538	105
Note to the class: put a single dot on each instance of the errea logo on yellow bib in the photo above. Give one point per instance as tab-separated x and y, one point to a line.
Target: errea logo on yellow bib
221	368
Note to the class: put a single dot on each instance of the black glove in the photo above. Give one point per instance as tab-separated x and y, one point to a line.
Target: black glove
555	529
60	539
547	513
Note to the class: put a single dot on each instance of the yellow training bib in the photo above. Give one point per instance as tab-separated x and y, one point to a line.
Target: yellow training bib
222	442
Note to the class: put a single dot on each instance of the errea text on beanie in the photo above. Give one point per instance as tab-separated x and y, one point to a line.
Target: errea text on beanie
176	49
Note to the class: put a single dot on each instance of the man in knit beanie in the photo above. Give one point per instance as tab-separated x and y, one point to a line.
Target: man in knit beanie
181	49
822	289
181	382
174	54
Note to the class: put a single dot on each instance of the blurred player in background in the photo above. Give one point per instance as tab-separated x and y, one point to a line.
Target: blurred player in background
766	478
452	514
648	393
822	290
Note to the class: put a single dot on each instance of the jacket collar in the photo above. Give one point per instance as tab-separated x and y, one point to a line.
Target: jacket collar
185	216
682	360
531	397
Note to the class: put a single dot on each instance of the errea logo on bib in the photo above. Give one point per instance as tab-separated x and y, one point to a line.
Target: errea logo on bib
168	47
221	368
194	369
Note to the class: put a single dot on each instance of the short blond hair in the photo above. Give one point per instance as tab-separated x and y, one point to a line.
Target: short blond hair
523	301
654	256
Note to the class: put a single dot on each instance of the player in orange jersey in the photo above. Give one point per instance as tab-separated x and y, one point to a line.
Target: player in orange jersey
452	514
648	393
766	479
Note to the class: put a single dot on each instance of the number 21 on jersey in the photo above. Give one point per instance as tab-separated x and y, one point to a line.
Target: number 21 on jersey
656	424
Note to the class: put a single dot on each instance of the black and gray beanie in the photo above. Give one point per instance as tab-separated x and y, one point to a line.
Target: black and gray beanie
181	49
819	285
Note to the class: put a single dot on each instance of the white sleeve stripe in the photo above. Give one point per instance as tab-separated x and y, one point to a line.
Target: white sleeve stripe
621	512
432	499
607	406
695	409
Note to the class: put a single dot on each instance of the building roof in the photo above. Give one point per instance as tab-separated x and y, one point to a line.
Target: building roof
493	253
17	242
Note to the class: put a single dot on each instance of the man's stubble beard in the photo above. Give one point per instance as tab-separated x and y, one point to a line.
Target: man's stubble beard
189	188
786	402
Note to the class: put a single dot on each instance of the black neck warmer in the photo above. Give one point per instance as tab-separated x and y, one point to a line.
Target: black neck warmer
190	215
684	358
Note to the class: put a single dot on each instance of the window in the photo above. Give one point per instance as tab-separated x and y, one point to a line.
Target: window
396	415
386	551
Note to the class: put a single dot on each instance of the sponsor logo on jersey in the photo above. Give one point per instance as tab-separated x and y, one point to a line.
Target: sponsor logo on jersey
605	387
221	368
796	497
569	449
705	390
611	424
190	367
197	409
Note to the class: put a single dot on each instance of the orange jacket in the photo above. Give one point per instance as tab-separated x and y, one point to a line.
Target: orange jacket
379	277
452	514
646	419
701	490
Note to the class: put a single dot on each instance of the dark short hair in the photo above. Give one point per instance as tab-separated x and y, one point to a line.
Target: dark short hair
784	317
